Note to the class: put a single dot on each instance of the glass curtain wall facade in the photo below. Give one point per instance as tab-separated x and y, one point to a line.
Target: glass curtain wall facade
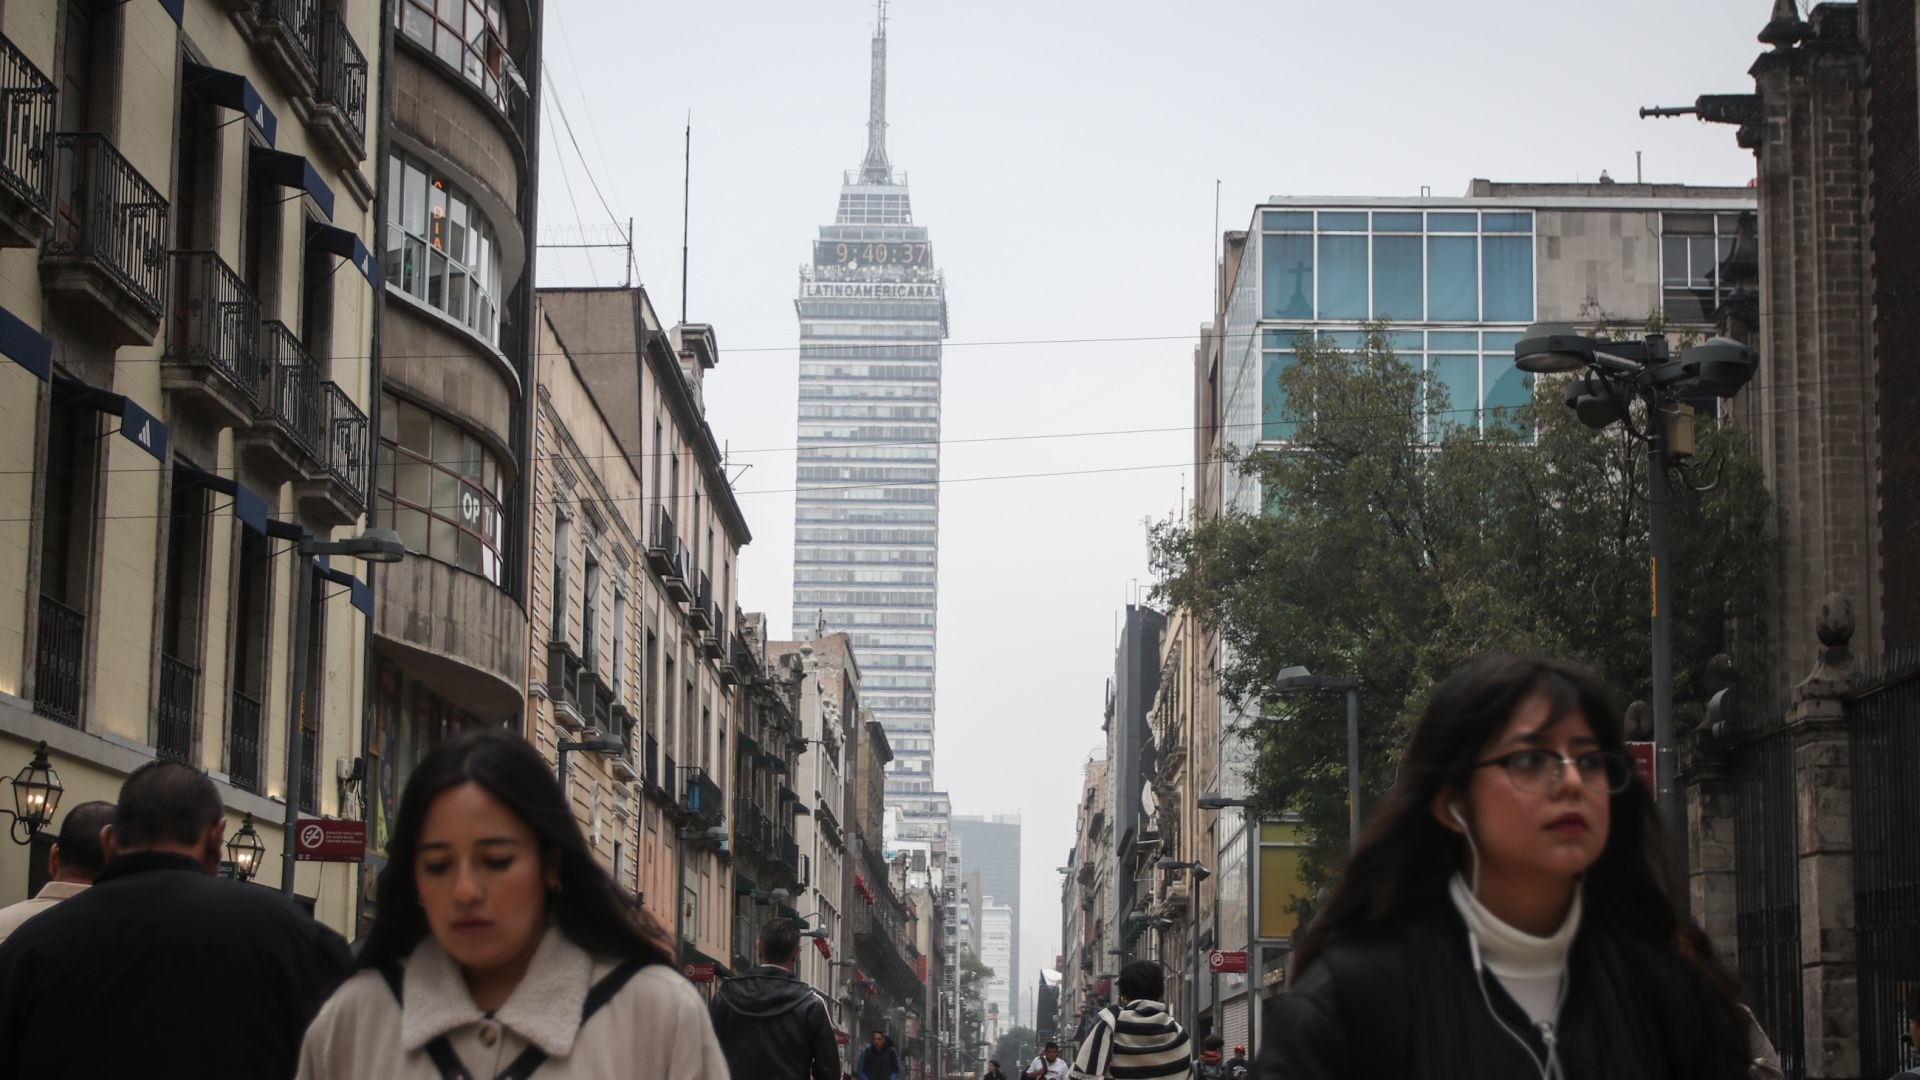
873	312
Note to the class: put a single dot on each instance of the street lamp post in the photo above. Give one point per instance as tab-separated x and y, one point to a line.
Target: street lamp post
1252	829
373	545
1299	678
1200	874
1618	373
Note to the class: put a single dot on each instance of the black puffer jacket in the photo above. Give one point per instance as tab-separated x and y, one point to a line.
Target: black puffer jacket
1400	1002
772	1025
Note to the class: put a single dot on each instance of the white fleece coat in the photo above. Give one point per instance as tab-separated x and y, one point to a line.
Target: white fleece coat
656	1026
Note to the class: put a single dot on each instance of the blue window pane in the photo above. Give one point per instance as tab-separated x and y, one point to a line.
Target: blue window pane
1453	278
1453	222
1397	222
1287	219
1344	340
1500	342
1287	273
1507	389
1405	342
1276	422
1343	277
1456	393
1518	221
1344	221
1399	282
1507	278
1283	339
1453	340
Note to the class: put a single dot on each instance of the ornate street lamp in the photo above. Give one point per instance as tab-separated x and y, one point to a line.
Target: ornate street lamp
246	850
36	795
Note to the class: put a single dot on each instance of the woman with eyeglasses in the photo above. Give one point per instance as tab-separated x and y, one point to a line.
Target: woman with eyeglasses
1508	912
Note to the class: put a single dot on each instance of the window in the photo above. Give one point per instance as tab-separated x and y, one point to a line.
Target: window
1288	273
590	612
469	36
182	618
440	248
1453	292
562	556
619	673
1343	275
441	489
1404	265
1692	247
316	302
249	650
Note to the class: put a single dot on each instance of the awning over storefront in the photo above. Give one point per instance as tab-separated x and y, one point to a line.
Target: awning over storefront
137	425
296	172
25	346
176	10
359	593
346	244
231	91
251	509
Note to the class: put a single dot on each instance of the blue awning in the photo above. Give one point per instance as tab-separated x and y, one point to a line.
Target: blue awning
346	244
228	90
137	425
25	346
359	593
285	530
251	509
176	10
296	172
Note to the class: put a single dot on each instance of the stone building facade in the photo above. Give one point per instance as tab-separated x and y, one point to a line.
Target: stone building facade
189	394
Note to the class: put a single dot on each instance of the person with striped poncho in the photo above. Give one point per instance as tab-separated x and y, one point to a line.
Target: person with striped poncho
1137	1039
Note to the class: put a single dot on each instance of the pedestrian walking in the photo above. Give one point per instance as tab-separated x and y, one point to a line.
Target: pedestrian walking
159	968
769	1023
1138	1038
73	863
1049	1065
1507	914
993	1072
1913	1035
500	947
878	1059
1212	1064
1238	1067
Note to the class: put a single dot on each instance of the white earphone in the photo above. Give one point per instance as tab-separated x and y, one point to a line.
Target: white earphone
1550	1068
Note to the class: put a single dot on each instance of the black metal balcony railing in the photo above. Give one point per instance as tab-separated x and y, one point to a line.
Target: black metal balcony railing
790	856
243	742
292	398
107	213
663	537
173	721
309	756
650	768
294	21
56	667
346	428
27	99
217	321
669	776
343	71
703	796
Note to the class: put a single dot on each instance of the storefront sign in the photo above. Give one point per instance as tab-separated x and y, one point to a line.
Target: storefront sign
1642	755
699	973
325	840
1227	962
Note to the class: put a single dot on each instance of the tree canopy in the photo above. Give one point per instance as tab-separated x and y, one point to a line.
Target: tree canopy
1394	540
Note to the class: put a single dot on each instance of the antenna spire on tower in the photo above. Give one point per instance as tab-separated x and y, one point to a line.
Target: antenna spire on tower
876	169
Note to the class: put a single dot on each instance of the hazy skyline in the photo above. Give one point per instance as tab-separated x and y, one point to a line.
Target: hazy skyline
1065	157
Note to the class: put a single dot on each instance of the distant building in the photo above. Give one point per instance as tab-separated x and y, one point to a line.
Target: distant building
989	845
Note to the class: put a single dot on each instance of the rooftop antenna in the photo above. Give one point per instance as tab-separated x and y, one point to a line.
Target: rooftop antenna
686	210
876	169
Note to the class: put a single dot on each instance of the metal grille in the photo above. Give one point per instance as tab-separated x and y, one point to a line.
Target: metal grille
294	21
292	400
1883	723
218	321
243	743
343	71
173	723
26	122
56	663
1767	886
346	440
108	214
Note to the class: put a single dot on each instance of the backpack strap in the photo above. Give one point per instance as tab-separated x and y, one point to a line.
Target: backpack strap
533	1057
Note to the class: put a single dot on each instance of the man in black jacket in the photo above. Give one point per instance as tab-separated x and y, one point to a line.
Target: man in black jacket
771	1024
161	969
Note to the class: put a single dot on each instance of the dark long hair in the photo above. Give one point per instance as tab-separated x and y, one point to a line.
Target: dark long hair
1406	857
588	907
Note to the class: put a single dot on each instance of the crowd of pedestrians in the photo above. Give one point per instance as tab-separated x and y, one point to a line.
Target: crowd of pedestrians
1504	916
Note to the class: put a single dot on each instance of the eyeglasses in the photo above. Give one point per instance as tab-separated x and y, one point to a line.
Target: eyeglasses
1538	771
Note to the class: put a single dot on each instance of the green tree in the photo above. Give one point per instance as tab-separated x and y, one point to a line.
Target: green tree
1395	542
1016	1047
973	980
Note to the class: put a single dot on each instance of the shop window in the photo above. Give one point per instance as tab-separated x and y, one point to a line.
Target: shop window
442	489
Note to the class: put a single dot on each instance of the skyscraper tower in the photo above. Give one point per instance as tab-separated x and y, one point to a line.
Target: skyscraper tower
873	311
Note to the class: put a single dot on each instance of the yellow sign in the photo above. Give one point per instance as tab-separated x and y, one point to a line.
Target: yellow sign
1281	883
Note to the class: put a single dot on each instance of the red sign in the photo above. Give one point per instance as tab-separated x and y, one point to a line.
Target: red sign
825	947
326	840
699	973
1222	962
1642	755
842	1038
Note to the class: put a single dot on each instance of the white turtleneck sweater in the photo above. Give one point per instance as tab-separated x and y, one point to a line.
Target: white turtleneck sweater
1530	968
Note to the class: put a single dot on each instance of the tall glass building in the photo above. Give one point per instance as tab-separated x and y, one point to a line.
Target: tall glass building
873	311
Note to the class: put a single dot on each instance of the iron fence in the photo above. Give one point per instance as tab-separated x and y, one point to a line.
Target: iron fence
292	400
107	214
343	71
173	721
1767	883
346	440
243	742
1883	725
294	21
27	100
56	665
217	321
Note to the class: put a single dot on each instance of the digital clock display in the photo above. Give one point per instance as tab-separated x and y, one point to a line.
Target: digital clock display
851	253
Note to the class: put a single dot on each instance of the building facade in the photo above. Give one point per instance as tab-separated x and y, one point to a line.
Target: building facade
189	395
1089	945
989	845
873	312
769	870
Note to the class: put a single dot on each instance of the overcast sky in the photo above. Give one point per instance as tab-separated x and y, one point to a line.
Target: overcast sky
1064	156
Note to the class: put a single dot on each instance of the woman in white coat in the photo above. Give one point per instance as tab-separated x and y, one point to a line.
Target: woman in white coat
501	949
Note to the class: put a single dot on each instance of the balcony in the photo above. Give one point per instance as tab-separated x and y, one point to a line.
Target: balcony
662	541
703	798
173	719
340	113
564	675
700	611
284	32
107	258
710	644
213	344
62	641
729	659
243	743
336	487
27	104
650	765
287	444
